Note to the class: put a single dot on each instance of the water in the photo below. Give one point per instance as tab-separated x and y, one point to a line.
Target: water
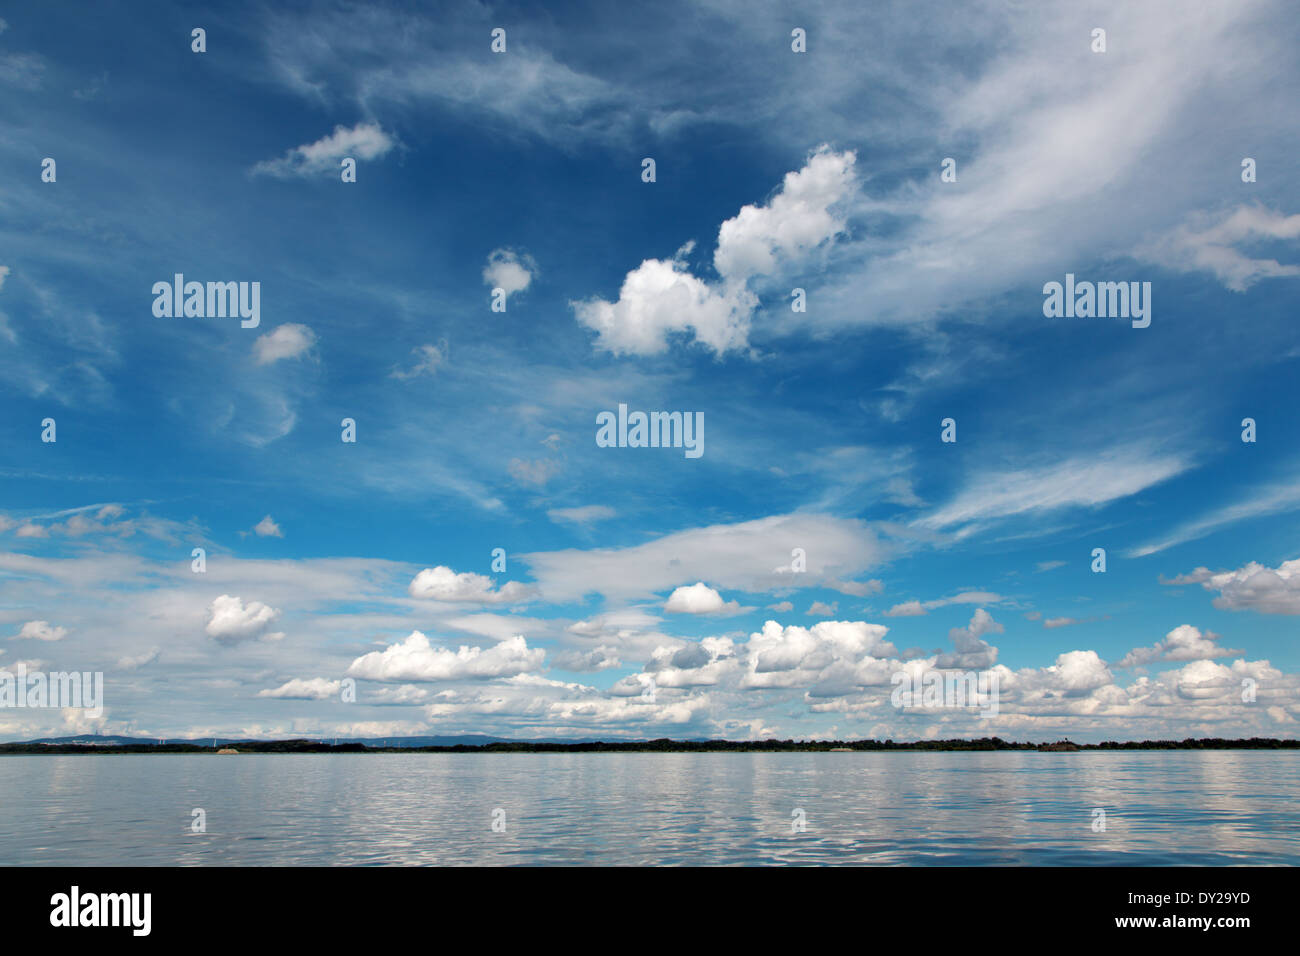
1162	808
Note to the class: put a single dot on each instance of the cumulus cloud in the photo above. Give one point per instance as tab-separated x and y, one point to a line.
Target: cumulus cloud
444	584
230	621
363	141
830	658
41	631
699	598
972	651
632	631
801	216
662	297
1251	588
596	659
284	342
822	609
1078	672
509	271
1183	643
266	528
415	659
318	688
705	663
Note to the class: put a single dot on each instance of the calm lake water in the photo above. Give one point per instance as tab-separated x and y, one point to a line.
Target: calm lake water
1161	808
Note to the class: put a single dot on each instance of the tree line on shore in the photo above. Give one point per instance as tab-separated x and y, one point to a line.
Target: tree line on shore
662	745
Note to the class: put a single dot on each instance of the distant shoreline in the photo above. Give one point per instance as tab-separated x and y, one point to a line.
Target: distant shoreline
986	744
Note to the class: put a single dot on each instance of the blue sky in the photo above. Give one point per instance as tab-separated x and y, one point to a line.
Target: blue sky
646	593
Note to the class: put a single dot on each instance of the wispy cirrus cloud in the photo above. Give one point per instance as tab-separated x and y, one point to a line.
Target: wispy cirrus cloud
1085	481
1269	500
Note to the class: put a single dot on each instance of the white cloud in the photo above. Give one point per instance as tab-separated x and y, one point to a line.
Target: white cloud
1201	243
1031	192
1277	499
132	663
1280	715
231	622
42	631
533	471
509	271
831	656
398	61
1078	672
906	609
857	588
444	584
919	608
1251	588
822	609
362	142
415	660
428	359
596	659
973	652
98	519
699	598
661	297
23	70
266	528
801	216
284	342
1084	481
734	557
318	688
585	514
1183	643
